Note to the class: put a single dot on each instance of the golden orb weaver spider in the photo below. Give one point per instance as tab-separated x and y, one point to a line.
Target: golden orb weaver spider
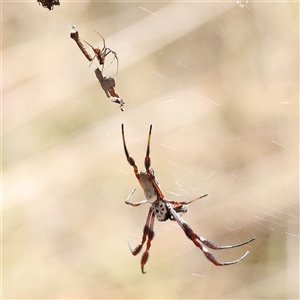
165	209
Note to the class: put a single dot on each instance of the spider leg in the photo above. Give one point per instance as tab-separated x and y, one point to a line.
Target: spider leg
116	57
88	44
107	51
148	233
184	203
102	39
136	203
147	158
92	60
130	159
181	207
98	53
147	166
195	199
215	247
213	259
146	230
93	50
194	238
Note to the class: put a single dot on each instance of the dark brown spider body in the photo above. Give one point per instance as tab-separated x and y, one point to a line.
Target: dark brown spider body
165	209
99	54
48	3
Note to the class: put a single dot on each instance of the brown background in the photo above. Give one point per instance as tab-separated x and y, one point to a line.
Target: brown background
219	83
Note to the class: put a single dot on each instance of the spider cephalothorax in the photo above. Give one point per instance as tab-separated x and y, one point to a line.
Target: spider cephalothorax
165	209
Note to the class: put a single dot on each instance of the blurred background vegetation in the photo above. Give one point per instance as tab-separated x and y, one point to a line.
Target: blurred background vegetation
219	83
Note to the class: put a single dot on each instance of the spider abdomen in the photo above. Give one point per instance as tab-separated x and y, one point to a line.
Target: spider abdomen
161	210
149	190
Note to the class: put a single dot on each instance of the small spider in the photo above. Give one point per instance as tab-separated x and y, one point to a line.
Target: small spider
101	54
165	209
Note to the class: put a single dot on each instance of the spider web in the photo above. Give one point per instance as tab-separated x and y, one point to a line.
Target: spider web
219	84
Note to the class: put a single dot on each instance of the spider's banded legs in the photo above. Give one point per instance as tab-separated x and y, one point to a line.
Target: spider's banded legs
147	158
145	234
147	166
195	199
215	247
182	207
213	259
150	238
184	203
194	238
148	233
130	159
136	203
